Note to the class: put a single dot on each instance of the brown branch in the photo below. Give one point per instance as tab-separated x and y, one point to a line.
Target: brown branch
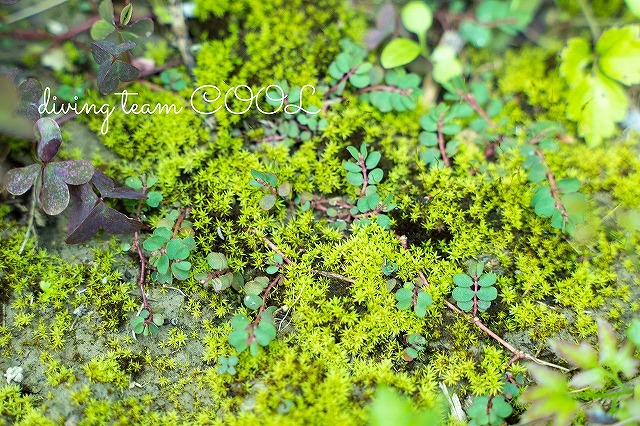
277	250
57	38
143	262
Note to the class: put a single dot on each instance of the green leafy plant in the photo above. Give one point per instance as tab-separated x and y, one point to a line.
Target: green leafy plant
597	76
220	278
365	174
491	15
227	365
173	79
125	29
395	90
168	254
438	125
247	334
474	291
417	18
557	199
489	410
413	296
153	198
603	373
268	182
416	344
146	323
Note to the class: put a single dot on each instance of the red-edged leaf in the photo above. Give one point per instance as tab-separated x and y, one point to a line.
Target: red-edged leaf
83	199
102	217
107	188
18	181
49	139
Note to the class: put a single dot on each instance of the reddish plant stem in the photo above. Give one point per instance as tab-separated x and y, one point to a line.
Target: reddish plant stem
181	218
473	103
333	275
270	287
552	184
385	88
342	80
59	38
441	146
143	262
365	178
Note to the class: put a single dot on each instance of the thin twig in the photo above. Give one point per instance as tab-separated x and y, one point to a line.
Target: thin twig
441	146
277	250
333	275
32	213
591	20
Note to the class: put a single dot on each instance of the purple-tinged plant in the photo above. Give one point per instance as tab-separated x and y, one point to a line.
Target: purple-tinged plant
50	179
89	213
112	69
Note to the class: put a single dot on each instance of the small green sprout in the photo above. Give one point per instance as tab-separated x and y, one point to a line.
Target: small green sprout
475	290
253	289
250	335
416	345
275	263
489	410
269	182
227	365
146	324
169	254
414	296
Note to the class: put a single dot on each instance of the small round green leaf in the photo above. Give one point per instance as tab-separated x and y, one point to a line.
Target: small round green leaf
398	52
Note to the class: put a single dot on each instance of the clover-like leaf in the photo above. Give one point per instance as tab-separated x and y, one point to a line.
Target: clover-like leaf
49	139
18	181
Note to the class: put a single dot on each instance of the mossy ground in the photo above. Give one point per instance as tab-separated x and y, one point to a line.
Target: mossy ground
336	340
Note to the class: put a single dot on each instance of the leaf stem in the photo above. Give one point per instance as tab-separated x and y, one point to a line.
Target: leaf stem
591	20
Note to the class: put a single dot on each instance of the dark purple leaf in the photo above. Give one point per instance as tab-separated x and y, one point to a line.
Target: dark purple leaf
107	79
54	195
30	90
102	217
49	139
109	74
18	181
142	28
73	172
107	188
83	199
103	51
